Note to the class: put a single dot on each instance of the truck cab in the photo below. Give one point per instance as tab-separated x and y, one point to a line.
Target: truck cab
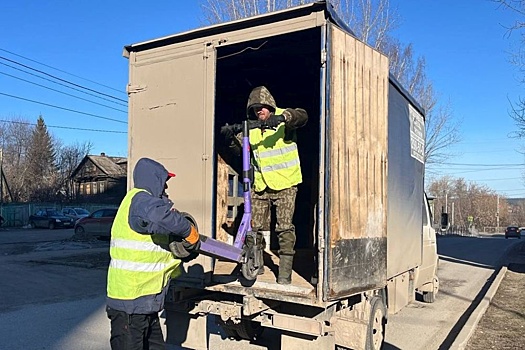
429	281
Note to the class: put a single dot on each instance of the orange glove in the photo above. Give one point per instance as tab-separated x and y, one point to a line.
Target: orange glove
193	237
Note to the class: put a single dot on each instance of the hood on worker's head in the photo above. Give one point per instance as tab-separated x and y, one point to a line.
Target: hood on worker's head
151	176
260	96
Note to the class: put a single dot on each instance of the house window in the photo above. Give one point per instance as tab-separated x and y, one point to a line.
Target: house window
102	186
95	188
88	188
82	189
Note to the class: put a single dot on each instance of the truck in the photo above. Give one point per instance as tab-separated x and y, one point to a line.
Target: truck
365	243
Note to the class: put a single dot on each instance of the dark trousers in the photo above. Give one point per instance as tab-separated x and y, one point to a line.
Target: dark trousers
135	332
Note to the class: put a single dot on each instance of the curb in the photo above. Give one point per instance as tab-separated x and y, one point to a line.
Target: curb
470	326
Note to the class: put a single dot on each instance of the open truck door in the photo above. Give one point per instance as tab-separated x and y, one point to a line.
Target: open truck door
176	109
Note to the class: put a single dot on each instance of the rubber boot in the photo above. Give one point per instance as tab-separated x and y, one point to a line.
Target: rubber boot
285	269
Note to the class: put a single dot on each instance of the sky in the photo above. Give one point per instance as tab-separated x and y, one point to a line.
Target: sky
465	44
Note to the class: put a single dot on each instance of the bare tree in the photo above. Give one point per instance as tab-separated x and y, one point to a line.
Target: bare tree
68	158
517	58
372	22
218	11
469	200
442	130
36	165
15	139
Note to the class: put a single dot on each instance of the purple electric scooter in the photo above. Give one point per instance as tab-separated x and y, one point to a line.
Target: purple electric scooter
243	250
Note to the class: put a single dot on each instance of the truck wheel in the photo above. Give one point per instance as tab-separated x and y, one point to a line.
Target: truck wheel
32	224
248	267
51	225
377	324
430	297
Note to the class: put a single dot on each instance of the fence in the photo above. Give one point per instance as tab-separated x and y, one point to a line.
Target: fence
17	214
458	230
494	229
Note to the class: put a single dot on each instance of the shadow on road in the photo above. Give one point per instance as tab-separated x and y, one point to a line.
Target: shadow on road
452	335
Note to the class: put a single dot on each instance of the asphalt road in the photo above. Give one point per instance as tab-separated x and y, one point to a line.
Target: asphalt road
45	305
466	264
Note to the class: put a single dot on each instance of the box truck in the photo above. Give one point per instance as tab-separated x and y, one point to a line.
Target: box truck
365	245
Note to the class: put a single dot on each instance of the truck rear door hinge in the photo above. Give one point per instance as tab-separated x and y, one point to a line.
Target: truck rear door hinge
133	89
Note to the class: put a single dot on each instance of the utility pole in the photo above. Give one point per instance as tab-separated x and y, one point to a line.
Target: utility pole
497	213
452	222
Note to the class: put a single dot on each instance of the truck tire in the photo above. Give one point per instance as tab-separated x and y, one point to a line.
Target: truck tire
430	297
377	324
51	225
248	268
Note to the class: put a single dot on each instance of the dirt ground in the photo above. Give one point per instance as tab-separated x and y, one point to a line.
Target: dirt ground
503	325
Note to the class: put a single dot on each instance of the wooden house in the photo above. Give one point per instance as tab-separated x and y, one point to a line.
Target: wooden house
100	178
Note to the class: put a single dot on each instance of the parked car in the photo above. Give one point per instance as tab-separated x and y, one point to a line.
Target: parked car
98	223
50	218
75	213
512	231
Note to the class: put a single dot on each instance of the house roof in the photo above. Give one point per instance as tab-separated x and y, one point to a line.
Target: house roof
107	164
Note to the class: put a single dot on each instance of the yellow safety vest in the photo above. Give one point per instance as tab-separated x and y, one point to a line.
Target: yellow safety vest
276	161
138	266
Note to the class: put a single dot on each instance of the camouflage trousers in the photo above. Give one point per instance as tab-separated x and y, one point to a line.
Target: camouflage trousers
284	202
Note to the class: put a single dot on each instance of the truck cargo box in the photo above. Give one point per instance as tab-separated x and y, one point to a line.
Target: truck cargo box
357	159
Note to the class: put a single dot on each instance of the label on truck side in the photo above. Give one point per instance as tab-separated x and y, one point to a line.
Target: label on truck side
417	134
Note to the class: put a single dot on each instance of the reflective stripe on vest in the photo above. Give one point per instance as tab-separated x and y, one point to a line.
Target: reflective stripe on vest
276	161
141	264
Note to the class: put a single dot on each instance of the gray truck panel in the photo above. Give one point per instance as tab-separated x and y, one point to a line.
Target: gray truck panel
406	134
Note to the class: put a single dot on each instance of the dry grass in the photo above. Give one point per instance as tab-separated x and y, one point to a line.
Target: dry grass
503	325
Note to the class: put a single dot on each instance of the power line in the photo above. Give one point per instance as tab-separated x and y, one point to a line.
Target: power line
65	127
473	164
61	92
62	71
60	79
456	172
508	178
64	85
65	109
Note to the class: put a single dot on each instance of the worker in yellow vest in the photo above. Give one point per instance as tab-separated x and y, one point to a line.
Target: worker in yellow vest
142	263
277	170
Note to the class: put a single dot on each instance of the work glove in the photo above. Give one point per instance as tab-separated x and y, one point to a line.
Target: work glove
192	242
185	249
229	131
274	121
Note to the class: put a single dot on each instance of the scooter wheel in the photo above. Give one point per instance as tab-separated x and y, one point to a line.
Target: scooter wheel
248	268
